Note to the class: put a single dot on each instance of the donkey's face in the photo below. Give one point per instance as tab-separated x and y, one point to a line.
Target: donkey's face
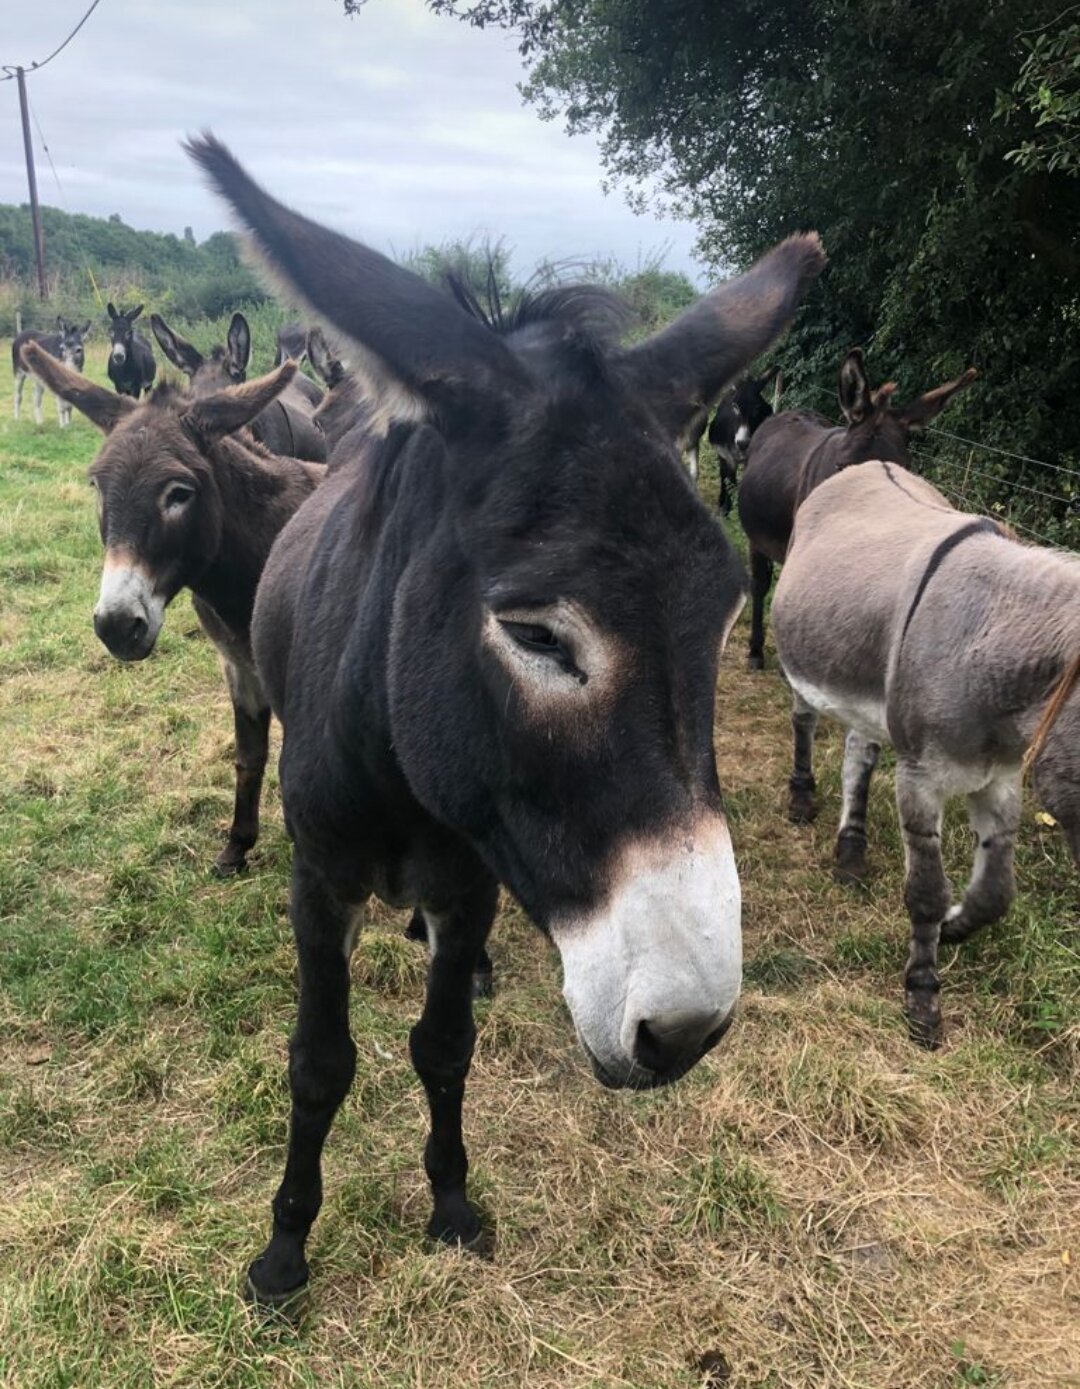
556	596
121	330
159	512
220	368
878	429
751	407
72	352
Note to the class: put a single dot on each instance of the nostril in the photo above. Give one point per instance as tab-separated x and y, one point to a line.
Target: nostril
648	1049
669	1044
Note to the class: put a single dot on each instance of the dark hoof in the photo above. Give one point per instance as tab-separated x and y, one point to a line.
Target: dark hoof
956	929
924	1023
802	809
267	1296
229	864
461	1230
755	662
849	863
417	928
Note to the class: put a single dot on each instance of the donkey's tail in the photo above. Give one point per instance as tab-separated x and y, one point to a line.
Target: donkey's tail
1050	714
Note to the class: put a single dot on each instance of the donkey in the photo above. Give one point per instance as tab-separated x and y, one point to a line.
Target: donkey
131	361
738	417
920	625
493	645
796	450
180	505
292	342
285	427
347	409
66	345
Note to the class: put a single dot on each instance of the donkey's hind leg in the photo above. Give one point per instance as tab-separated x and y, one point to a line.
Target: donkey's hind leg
860	758
322	1061
926	895
441	1047
39	393
994	813
760	582
802	803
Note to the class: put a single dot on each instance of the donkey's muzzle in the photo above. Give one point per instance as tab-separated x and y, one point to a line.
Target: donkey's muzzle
126	634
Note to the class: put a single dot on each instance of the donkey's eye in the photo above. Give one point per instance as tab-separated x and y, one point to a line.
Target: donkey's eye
533	636
177	496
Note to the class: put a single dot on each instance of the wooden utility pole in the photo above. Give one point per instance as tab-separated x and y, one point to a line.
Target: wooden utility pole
31	178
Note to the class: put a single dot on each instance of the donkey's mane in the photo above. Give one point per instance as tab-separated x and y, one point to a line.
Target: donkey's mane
596	314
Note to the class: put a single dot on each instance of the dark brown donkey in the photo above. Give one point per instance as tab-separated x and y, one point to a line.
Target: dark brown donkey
182	505
286	427
795	451
493	643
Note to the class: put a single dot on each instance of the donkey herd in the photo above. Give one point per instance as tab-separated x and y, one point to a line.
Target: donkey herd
487	604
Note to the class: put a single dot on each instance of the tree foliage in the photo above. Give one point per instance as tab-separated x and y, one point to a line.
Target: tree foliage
1048	89
891	127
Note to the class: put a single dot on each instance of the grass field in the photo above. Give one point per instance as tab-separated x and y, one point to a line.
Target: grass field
818	1204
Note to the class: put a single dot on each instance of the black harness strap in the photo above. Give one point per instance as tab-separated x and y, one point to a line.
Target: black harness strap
981	526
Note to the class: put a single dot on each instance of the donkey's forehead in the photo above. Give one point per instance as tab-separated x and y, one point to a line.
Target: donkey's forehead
148	444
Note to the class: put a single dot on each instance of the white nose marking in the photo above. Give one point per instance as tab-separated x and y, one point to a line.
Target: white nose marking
742	435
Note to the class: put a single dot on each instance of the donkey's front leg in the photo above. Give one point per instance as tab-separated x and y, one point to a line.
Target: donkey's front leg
860	758
802	805
252	747
926	896
20	382
441	1046
994	814
322	1060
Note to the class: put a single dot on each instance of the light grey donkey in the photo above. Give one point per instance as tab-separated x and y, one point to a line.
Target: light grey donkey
916	624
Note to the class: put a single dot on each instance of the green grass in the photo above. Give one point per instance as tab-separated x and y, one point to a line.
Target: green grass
818	1204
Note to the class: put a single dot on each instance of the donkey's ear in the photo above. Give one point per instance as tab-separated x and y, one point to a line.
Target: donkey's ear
326	365
101	407
416	349
685	366
110	309
132	314
927	407
772	374
239	341
856	399
231	409
178	350
86	329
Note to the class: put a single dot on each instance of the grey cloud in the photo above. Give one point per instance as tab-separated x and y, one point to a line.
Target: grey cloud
396	126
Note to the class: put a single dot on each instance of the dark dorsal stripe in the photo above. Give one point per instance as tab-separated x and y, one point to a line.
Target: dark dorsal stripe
982	525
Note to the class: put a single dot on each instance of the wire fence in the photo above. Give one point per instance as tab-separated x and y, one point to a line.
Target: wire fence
970	484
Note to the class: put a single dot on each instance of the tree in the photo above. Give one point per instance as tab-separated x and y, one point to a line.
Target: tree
880	123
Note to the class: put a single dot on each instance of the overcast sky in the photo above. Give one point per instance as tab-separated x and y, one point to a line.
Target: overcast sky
394	126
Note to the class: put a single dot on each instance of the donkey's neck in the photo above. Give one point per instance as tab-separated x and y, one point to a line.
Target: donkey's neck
257	493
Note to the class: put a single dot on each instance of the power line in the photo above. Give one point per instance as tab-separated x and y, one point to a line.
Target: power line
36	67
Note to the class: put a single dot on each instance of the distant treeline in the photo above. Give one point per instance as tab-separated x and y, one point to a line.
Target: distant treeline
198	283
173	274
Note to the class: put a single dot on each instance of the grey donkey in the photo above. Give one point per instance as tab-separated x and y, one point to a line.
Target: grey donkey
916	624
